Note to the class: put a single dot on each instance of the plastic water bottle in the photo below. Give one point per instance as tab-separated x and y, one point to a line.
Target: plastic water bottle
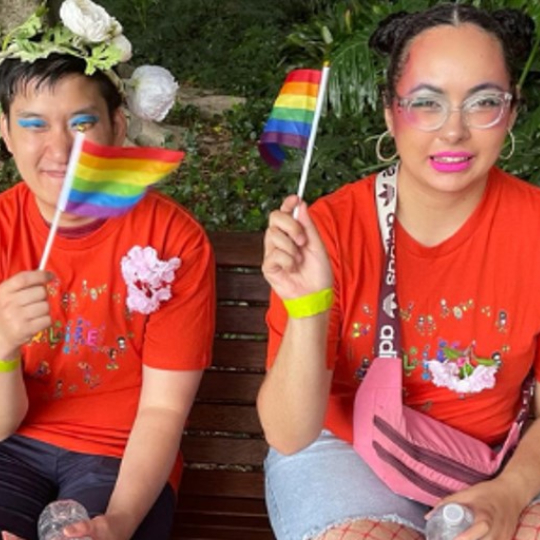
58	515
448	521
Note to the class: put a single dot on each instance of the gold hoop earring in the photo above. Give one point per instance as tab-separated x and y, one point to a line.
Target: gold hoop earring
378	148
512	146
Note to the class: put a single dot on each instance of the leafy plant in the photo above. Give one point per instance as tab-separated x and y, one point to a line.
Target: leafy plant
226	45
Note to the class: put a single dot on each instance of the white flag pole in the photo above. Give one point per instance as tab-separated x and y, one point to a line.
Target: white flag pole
63	197
313	134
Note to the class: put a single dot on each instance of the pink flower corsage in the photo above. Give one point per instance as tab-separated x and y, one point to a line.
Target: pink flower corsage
448	374
147	278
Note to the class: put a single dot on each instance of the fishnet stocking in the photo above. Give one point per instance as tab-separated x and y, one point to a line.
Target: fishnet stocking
371	530
528	529
529	524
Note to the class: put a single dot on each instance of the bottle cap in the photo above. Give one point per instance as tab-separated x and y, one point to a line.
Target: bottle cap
453	513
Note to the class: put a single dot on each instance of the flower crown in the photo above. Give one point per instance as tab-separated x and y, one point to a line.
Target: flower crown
88	32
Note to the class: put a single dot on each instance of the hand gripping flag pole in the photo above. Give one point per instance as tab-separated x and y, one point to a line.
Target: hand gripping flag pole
107	181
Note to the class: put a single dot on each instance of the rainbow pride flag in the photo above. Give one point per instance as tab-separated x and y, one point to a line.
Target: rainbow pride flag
291	119
107	181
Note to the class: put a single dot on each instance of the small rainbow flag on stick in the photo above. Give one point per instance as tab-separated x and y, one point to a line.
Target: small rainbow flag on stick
291	119
107	181
295	118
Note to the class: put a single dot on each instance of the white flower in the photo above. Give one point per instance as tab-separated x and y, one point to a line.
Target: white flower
446	374
151	92
89	21
122	43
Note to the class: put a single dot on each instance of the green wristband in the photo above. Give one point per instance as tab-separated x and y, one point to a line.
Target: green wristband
310	304
9	365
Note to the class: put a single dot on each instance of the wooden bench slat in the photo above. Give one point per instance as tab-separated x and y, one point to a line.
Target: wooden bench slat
237	248
222	450
220	505
243	521
244	354
249	485
216	532
230	386
241	286
241	319
242	518
224	417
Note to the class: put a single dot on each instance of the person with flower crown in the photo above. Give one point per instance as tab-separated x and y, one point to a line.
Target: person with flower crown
101	354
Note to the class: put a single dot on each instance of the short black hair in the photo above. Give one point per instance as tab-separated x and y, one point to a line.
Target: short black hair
512	28
15	75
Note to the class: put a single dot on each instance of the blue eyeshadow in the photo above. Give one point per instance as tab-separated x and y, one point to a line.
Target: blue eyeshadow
30	122
84	119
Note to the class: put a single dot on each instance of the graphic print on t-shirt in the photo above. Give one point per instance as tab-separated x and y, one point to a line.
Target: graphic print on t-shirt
89	350
443	362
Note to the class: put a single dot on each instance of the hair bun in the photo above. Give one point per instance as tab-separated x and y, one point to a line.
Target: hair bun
518	29
389	31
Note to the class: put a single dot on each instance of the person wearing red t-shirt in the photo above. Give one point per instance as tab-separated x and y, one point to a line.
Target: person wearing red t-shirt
101	354
466	260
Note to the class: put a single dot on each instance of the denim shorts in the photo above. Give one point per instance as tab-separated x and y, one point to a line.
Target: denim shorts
327	484
33	473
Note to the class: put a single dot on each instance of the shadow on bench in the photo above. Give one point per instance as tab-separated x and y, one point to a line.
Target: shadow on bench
222	491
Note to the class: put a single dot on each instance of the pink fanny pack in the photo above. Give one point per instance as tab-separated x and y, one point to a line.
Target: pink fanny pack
413	454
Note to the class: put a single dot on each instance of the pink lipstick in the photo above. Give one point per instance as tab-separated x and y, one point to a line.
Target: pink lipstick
451	162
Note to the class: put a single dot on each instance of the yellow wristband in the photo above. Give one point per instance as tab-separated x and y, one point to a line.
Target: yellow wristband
9	365
310	304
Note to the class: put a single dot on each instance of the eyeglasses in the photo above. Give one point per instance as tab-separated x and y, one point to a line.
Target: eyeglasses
481	111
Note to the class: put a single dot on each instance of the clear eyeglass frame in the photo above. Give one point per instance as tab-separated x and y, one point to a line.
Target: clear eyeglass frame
439	118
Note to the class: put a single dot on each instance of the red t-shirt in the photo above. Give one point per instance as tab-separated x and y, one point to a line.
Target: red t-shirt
473	299
83	374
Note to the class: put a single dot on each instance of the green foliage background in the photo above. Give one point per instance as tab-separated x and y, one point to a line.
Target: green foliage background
245	48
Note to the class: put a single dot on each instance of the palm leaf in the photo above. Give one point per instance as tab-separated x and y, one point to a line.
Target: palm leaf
355	76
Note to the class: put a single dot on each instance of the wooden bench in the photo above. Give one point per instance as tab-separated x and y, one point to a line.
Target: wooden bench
222	491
